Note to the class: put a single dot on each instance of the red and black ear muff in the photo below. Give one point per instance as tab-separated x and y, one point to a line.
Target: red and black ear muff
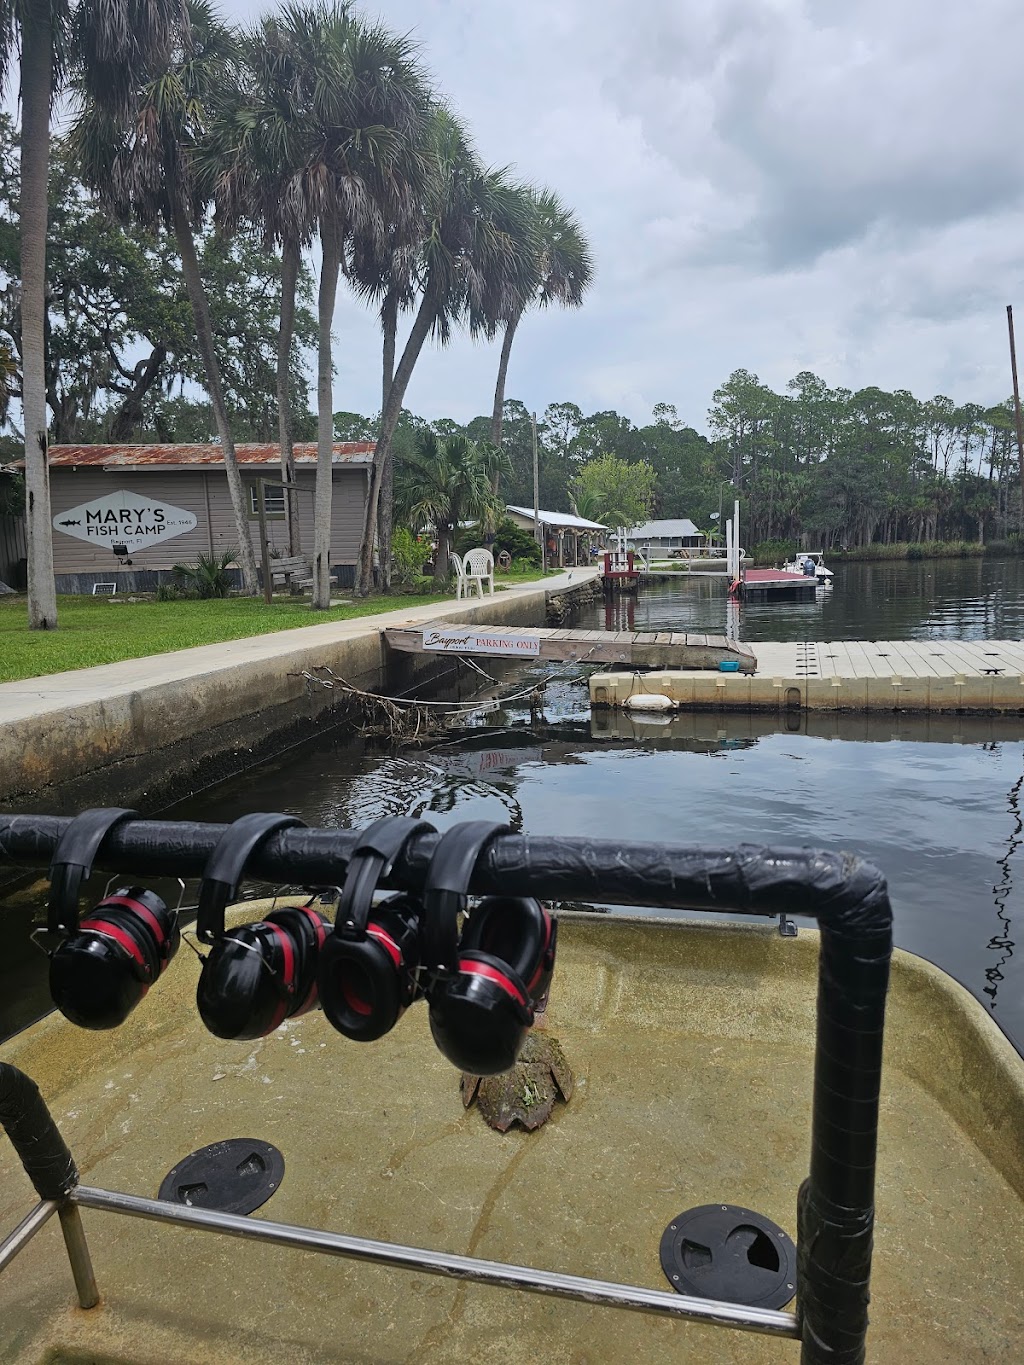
102	967
256	975
260	974
513	937
368	973
486	986
506	960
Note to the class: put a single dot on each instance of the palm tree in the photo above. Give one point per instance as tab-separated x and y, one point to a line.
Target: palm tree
254	159
113	27
366	103
470	259
135	143
564	269
444	482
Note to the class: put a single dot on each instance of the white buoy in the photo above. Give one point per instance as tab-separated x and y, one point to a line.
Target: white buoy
649	701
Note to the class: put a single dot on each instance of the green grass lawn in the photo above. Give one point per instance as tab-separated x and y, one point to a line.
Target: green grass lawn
102	630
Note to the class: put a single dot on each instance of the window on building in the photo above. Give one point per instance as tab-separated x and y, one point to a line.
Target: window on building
273	500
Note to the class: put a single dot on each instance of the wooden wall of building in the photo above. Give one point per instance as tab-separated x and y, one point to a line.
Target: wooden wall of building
204	493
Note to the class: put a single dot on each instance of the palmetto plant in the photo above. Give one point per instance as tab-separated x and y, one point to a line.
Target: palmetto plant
135	144
208	576
443	482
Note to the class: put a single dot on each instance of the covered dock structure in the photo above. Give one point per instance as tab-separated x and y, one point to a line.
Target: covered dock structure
567	538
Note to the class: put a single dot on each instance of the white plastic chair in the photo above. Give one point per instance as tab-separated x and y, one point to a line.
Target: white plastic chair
479	566
459	570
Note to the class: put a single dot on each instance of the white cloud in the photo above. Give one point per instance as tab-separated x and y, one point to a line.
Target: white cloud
774	184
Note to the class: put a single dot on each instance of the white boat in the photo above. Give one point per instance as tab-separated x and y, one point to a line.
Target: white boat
799	562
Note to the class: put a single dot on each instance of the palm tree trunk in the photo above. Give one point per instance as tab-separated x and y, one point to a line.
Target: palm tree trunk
388	422
498	413
442	568
36	84
325	419
289	279
204	337
386	507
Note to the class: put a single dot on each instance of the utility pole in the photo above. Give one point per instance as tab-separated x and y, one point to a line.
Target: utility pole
537	531
1016	405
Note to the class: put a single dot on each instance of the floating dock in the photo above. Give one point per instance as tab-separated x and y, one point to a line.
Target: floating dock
984	676
663	649
776	585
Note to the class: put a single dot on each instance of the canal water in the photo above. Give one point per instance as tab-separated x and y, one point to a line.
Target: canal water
935	802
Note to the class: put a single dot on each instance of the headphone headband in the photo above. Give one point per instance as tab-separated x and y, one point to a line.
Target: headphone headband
447	885
226	865
72	863
378	847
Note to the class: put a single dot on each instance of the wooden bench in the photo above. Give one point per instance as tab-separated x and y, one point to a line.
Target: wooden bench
295	569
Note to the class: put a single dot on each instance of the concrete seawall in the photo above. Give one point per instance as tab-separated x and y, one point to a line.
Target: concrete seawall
146	731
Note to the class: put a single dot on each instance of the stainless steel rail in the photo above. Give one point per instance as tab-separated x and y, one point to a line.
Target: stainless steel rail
428	1262
26	1230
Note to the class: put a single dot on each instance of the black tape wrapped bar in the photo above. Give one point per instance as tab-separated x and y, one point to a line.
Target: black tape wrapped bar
43	1152
847	897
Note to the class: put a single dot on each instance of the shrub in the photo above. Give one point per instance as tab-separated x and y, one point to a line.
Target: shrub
207	577
773	552
172	592
519	543
408	556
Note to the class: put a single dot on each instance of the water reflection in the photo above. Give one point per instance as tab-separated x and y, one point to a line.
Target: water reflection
968	599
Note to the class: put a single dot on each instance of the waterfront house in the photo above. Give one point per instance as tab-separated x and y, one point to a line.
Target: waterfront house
662	537
161	505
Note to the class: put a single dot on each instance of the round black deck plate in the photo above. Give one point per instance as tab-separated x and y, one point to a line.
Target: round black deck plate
235	1176
728	1253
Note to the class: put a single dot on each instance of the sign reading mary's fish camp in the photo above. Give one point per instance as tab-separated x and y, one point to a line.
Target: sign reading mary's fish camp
124	518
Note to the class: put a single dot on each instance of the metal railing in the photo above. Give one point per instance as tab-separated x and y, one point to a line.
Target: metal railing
835	1205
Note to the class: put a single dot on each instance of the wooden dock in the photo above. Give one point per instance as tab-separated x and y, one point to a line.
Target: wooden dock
625	648
956	676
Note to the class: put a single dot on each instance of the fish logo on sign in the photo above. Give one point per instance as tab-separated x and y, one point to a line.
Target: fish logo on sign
124	518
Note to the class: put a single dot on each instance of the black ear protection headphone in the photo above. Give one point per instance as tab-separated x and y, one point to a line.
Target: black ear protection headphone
486	985
102	967
368	975
256	975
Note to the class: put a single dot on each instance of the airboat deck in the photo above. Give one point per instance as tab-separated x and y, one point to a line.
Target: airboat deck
692	1045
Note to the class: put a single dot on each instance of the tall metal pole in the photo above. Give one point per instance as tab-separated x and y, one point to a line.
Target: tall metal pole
1016	405
538	533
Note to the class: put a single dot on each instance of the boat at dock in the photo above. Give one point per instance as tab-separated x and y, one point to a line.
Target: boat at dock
721	1068
821	572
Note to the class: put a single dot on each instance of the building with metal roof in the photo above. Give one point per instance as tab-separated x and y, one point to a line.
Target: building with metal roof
128	513
567	538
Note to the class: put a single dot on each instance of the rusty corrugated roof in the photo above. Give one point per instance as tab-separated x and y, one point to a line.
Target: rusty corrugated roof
249	452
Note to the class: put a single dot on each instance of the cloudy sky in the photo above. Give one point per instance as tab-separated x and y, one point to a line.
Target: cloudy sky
775	184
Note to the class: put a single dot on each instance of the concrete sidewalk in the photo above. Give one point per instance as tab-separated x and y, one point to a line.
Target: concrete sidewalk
65	726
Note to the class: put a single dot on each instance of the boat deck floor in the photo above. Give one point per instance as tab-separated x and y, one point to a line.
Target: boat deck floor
692	1046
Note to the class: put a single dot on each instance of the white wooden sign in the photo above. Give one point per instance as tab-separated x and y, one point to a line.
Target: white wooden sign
124	518
449	640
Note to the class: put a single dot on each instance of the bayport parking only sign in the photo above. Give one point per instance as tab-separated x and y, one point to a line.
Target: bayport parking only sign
124	518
